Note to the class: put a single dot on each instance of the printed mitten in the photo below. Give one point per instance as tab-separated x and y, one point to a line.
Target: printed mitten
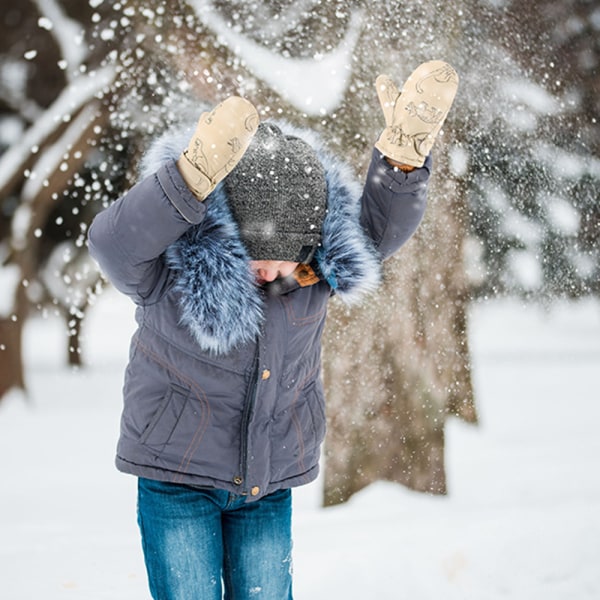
415	116
219	142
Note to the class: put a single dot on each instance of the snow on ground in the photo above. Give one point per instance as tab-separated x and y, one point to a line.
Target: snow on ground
521	521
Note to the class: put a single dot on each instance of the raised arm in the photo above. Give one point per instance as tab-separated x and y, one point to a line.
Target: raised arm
129	238
393	203
395	193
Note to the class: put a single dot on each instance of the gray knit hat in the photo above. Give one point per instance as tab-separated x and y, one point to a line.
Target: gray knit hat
278	196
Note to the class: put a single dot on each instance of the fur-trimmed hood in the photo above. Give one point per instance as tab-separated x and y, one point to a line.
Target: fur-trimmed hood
220	302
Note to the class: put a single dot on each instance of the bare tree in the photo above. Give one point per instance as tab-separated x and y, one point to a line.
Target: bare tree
49	90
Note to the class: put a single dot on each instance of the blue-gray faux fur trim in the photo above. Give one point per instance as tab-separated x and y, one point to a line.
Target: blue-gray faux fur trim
219	301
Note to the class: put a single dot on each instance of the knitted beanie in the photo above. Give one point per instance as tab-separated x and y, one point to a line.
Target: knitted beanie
277	194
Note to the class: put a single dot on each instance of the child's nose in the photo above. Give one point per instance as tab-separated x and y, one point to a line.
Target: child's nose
268	274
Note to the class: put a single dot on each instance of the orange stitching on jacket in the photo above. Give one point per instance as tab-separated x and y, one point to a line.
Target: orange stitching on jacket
200	396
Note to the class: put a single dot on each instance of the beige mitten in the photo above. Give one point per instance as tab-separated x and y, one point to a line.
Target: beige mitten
219	142
415	116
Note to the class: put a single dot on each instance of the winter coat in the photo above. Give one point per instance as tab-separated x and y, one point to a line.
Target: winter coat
223	385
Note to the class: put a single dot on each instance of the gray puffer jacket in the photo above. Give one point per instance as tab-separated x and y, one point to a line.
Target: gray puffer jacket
223	384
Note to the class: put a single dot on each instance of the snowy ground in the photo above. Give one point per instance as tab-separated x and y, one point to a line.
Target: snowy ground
522	520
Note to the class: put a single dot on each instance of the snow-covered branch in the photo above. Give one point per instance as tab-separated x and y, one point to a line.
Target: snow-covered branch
52	157
70	101
315	86
68	33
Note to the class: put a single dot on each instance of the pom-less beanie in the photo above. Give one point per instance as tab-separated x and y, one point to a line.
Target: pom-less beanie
277	194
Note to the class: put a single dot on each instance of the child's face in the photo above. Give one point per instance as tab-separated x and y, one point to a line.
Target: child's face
269	270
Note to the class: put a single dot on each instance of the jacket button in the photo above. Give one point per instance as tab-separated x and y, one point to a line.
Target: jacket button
255	490
266	374
238	480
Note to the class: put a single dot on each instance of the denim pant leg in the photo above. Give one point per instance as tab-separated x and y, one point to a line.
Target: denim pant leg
193	538
181	539
257	539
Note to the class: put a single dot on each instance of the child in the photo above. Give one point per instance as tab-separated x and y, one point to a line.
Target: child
231	251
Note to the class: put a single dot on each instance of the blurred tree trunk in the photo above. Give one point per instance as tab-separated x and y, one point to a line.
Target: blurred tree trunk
11	361
397	367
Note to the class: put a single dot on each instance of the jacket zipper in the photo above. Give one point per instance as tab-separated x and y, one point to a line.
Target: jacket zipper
246	414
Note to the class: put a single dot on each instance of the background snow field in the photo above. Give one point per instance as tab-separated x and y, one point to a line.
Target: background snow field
521	521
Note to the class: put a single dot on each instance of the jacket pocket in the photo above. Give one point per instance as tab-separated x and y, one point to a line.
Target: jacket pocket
298	432
316	405
160	429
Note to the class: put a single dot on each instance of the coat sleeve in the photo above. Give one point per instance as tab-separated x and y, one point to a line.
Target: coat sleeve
393	203
128	238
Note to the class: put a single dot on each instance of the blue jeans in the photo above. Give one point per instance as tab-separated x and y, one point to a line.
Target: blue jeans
196	540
